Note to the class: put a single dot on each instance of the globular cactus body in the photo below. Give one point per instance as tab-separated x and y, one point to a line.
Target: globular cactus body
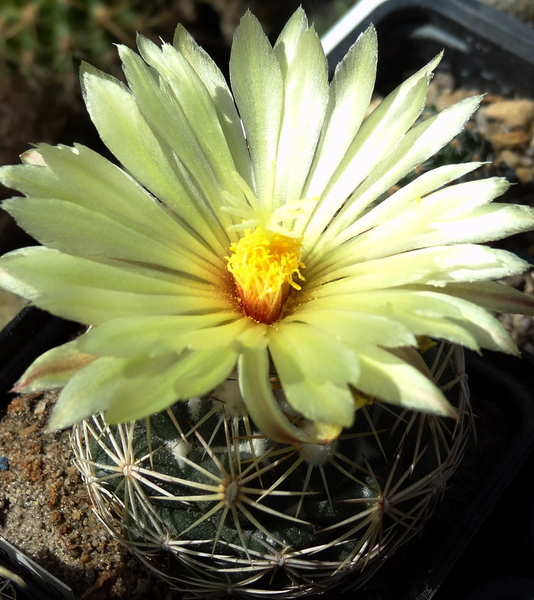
216	508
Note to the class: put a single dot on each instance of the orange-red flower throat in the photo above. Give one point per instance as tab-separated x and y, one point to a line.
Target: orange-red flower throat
264	265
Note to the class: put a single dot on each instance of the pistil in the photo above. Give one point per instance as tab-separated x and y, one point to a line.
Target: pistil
264	265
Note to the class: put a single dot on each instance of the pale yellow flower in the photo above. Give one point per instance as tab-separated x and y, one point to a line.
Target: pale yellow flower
247	237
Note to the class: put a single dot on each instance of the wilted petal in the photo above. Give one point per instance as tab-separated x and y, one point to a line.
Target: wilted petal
53	369
87	392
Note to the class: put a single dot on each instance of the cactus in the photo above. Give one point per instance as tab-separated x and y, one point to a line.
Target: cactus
215	508
7	591
187	266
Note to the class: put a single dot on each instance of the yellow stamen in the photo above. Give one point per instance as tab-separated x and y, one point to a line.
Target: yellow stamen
263	265
425	343
361	399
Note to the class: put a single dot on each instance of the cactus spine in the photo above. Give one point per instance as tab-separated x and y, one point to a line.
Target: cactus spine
215	508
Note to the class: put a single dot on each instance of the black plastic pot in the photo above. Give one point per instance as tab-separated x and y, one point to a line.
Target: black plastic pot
493	52
484	48
477	541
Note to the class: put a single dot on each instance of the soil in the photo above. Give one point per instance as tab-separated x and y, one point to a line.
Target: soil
45	510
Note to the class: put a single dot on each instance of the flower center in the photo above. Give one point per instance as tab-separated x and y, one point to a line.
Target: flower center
263	264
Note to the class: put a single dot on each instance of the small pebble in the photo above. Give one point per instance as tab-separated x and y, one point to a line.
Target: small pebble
511	159
512	113
525	174
510	139
41	407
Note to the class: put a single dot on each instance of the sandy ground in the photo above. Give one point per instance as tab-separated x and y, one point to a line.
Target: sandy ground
45	510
